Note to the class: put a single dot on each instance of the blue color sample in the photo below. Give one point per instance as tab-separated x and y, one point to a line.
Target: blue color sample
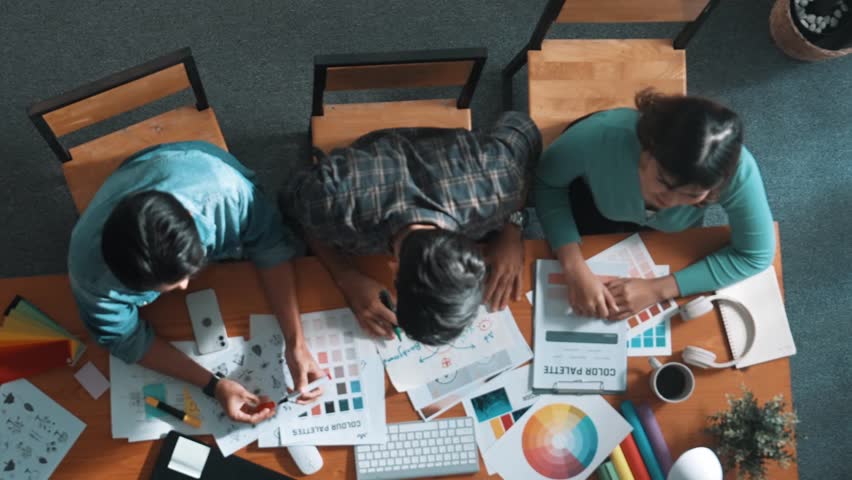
356	386
357	403
344	405
158	391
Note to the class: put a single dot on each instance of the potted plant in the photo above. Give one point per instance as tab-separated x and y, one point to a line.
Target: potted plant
749	435
812	29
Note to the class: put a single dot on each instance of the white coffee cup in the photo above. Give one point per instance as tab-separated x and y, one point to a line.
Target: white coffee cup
671	382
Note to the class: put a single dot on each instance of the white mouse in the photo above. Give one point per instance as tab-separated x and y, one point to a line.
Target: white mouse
307	458
696	464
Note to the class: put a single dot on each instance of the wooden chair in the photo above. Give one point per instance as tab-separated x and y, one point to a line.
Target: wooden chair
87	165
334	126
571	78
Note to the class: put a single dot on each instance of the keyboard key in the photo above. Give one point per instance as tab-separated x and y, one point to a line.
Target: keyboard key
420	450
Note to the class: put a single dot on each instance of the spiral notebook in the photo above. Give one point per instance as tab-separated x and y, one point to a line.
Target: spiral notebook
773	339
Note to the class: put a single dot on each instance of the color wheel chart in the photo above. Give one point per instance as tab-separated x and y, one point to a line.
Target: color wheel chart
559	441
333	343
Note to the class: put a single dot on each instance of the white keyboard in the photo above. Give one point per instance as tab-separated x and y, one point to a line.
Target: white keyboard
420	449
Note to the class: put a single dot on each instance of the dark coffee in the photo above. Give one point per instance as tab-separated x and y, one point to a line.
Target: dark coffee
671	382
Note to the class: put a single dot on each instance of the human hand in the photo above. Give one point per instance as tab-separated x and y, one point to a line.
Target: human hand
505	257
588	295
362	295
632	295
304	369
240	404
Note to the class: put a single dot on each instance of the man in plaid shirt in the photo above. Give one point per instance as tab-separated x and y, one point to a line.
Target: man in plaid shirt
425	195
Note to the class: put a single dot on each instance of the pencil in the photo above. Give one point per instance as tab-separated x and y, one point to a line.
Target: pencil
179	414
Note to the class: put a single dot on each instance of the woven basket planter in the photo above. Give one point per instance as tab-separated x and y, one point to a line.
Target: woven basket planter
791	41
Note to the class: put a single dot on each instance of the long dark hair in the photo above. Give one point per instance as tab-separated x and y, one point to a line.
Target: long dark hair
696	141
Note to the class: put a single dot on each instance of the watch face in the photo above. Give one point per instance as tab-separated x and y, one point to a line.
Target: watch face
517	218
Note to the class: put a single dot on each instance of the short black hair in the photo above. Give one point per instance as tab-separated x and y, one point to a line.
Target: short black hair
695	140
150	240
439	285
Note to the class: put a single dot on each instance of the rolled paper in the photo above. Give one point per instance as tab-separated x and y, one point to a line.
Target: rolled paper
634	459
655	436
603	473
642	442
610	470
620	464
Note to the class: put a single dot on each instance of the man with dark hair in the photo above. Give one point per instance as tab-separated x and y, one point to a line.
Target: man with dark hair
425	195
156	222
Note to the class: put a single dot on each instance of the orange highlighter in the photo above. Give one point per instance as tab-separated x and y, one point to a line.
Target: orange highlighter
179	414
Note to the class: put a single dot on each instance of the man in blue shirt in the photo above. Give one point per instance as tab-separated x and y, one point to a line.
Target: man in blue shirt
155	222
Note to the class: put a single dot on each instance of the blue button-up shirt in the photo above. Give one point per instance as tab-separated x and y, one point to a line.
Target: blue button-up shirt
233	218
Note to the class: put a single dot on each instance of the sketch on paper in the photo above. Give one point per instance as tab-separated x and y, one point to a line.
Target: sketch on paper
35	432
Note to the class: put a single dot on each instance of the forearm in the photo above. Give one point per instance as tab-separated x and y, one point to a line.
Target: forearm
163	357
279	285
571	259
510	233
339	266
666	287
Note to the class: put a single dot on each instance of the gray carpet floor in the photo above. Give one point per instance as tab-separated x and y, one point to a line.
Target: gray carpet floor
255	61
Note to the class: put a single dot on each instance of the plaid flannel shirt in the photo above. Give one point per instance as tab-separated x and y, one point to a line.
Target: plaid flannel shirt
357	198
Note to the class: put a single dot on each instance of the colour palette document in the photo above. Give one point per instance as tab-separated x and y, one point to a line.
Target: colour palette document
657	339
497	405
410	363
573	353
31	342
35	432
632	251
560	438
352	408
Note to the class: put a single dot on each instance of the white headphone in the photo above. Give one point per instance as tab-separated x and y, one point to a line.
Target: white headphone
702	358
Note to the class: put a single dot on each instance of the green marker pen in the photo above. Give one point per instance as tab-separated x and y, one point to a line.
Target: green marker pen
385	297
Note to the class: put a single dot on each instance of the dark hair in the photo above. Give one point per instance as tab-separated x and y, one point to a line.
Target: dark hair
695	140
150	240
439	285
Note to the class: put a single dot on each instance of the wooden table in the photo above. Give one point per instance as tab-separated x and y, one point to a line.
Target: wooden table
97	455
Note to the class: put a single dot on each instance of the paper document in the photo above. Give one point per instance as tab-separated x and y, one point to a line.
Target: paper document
36	432
92	380
189	457
564	436
496	405
411	364
351	410
440	394
772	338
574	353
632	251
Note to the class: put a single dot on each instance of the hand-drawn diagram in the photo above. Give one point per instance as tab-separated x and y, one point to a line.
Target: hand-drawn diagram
411	364
36	431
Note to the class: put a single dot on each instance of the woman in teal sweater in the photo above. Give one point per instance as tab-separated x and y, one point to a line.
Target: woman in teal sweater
657	166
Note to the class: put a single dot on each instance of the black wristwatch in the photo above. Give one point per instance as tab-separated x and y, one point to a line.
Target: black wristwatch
210	388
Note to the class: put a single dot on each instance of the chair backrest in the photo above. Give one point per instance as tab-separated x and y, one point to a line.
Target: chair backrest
693	12
629	11
114	95
410	69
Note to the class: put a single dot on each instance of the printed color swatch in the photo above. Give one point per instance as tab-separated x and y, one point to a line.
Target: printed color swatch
559	441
